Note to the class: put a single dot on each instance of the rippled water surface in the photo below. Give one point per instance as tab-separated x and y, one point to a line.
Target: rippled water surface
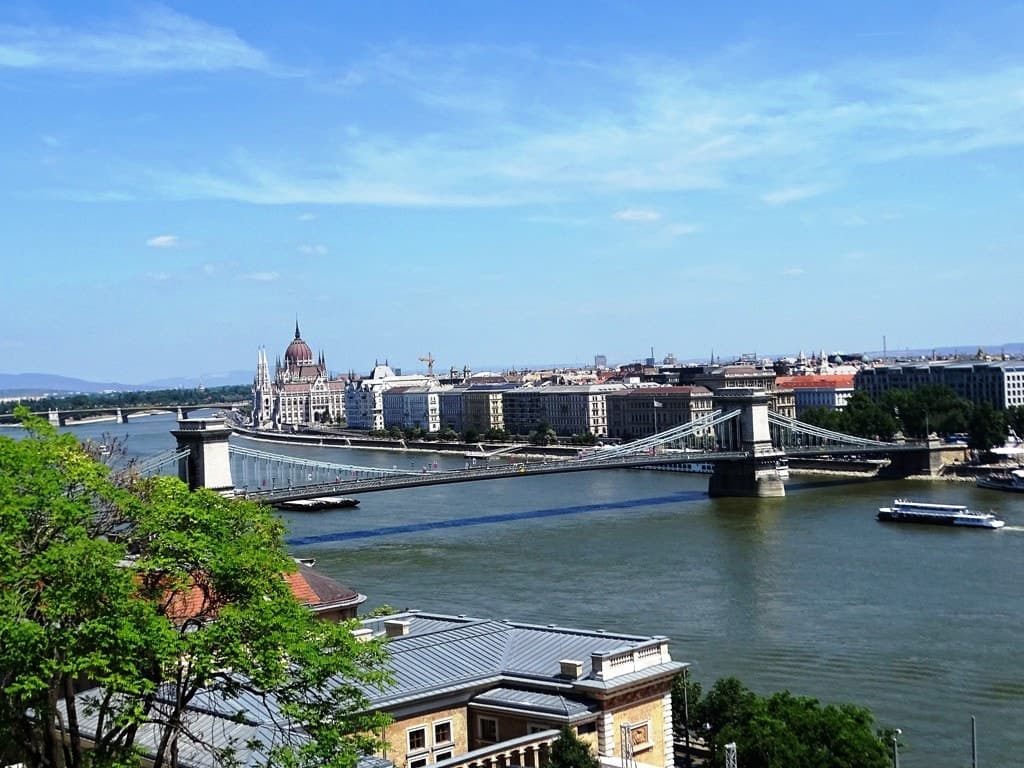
921	624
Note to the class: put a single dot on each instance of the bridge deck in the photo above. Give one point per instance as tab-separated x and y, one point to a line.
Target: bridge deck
523	469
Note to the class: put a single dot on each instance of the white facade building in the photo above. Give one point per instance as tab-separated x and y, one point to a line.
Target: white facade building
364	399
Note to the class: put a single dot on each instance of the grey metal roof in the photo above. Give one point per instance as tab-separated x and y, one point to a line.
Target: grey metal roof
443	654
248	725
535	701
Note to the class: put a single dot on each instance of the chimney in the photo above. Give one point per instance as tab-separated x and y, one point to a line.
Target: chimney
571	668
363	634
396	628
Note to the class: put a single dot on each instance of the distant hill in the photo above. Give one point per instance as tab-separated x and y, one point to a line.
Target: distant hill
227	379
44	383
31	384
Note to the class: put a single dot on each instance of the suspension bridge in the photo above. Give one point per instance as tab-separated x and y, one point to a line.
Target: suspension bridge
746	443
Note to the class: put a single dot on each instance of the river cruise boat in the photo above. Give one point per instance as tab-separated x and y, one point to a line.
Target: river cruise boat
1003	481
903	511
319	504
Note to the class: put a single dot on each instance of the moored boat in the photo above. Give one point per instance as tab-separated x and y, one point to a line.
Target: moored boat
1003	481
318	504
904	511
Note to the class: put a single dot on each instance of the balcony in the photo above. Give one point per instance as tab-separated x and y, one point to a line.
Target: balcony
529	751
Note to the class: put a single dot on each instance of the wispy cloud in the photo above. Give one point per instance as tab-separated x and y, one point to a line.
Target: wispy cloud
313	250
788	195
306	216
164	241
262	277
605	128
793	272
637	214
156	39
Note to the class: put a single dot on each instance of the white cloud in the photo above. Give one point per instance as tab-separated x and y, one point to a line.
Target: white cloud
313	250
306	216
636	214
793	272
522	127
164	241
787	195
157	39
160	277
209	269
262	277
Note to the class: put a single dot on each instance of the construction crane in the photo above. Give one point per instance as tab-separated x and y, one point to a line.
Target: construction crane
429	360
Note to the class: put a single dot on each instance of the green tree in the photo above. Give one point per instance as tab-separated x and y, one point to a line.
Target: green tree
570	751
787	731
864	417
826	418
543	434
986	427
686	695
145	588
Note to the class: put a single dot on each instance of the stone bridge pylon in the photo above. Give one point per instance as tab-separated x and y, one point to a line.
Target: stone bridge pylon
758	475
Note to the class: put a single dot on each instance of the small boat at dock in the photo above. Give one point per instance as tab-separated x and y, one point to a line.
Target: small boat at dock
318	504
903	511
1003	481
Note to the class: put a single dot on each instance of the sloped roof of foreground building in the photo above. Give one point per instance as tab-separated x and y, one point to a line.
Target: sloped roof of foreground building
486	663
239	730
440	653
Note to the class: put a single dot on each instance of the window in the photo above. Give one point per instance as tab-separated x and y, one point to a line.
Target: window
417	739
446	755
419	762
442	732
488	729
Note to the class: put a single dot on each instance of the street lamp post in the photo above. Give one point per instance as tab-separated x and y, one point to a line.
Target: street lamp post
686	714
896	748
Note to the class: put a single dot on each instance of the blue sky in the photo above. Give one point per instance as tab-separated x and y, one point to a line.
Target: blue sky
504	183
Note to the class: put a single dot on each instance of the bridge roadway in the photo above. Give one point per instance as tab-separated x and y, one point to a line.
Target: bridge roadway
74	414
557	466
520	469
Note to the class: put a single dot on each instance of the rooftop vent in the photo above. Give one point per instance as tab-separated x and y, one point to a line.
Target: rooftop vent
396	628
571	668
362	634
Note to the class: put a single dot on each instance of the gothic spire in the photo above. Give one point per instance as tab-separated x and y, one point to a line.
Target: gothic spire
297	327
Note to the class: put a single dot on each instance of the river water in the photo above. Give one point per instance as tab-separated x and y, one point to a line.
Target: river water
809	593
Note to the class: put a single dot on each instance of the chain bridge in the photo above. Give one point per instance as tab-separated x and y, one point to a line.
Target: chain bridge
747	445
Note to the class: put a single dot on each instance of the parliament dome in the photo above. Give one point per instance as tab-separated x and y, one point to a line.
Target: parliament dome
298	352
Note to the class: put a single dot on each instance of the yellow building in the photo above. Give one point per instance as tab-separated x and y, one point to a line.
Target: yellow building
479	693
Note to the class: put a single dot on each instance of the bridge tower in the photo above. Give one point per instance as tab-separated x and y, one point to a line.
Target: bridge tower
56	418
208	464
122	417
757	475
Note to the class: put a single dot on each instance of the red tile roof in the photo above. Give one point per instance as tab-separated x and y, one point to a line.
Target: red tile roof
826	381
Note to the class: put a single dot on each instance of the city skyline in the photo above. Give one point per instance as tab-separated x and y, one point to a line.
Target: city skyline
498	183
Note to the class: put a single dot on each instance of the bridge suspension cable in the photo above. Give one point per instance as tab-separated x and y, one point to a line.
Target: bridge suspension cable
155	464
699	426
258	468
784	424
